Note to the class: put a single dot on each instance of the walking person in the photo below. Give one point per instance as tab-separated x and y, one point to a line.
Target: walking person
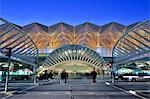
45	75
64	76
94	74
50	76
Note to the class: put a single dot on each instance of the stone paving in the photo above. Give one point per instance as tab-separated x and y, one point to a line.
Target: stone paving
142	88
74	89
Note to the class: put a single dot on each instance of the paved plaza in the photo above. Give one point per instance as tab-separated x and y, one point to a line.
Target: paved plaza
80	89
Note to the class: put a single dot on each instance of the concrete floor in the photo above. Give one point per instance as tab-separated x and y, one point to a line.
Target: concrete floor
74	89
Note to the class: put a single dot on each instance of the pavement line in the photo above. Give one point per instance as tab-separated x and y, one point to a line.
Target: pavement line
90	93
126	91
132	92
142	90
107	83
6	97
27	89
70	92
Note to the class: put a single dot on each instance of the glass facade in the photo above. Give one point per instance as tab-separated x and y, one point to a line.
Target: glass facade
49	38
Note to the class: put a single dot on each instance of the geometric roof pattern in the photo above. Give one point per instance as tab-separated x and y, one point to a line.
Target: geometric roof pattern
22	47
134	44
88	34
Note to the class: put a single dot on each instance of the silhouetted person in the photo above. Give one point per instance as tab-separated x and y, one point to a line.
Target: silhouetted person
45	74
50	76
94	74
64	76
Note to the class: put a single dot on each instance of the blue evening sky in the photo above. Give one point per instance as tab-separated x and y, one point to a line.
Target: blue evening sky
74	12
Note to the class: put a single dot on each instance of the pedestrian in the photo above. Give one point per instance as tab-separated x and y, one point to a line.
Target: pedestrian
50	76
64	76
46	74
94	74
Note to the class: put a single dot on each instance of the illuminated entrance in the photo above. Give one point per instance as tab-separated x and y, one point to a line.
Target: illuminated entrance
73	58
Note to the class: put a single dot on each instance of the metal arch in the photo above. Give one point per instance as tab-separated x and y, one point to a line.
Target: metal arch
73	52
23	47
131	40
